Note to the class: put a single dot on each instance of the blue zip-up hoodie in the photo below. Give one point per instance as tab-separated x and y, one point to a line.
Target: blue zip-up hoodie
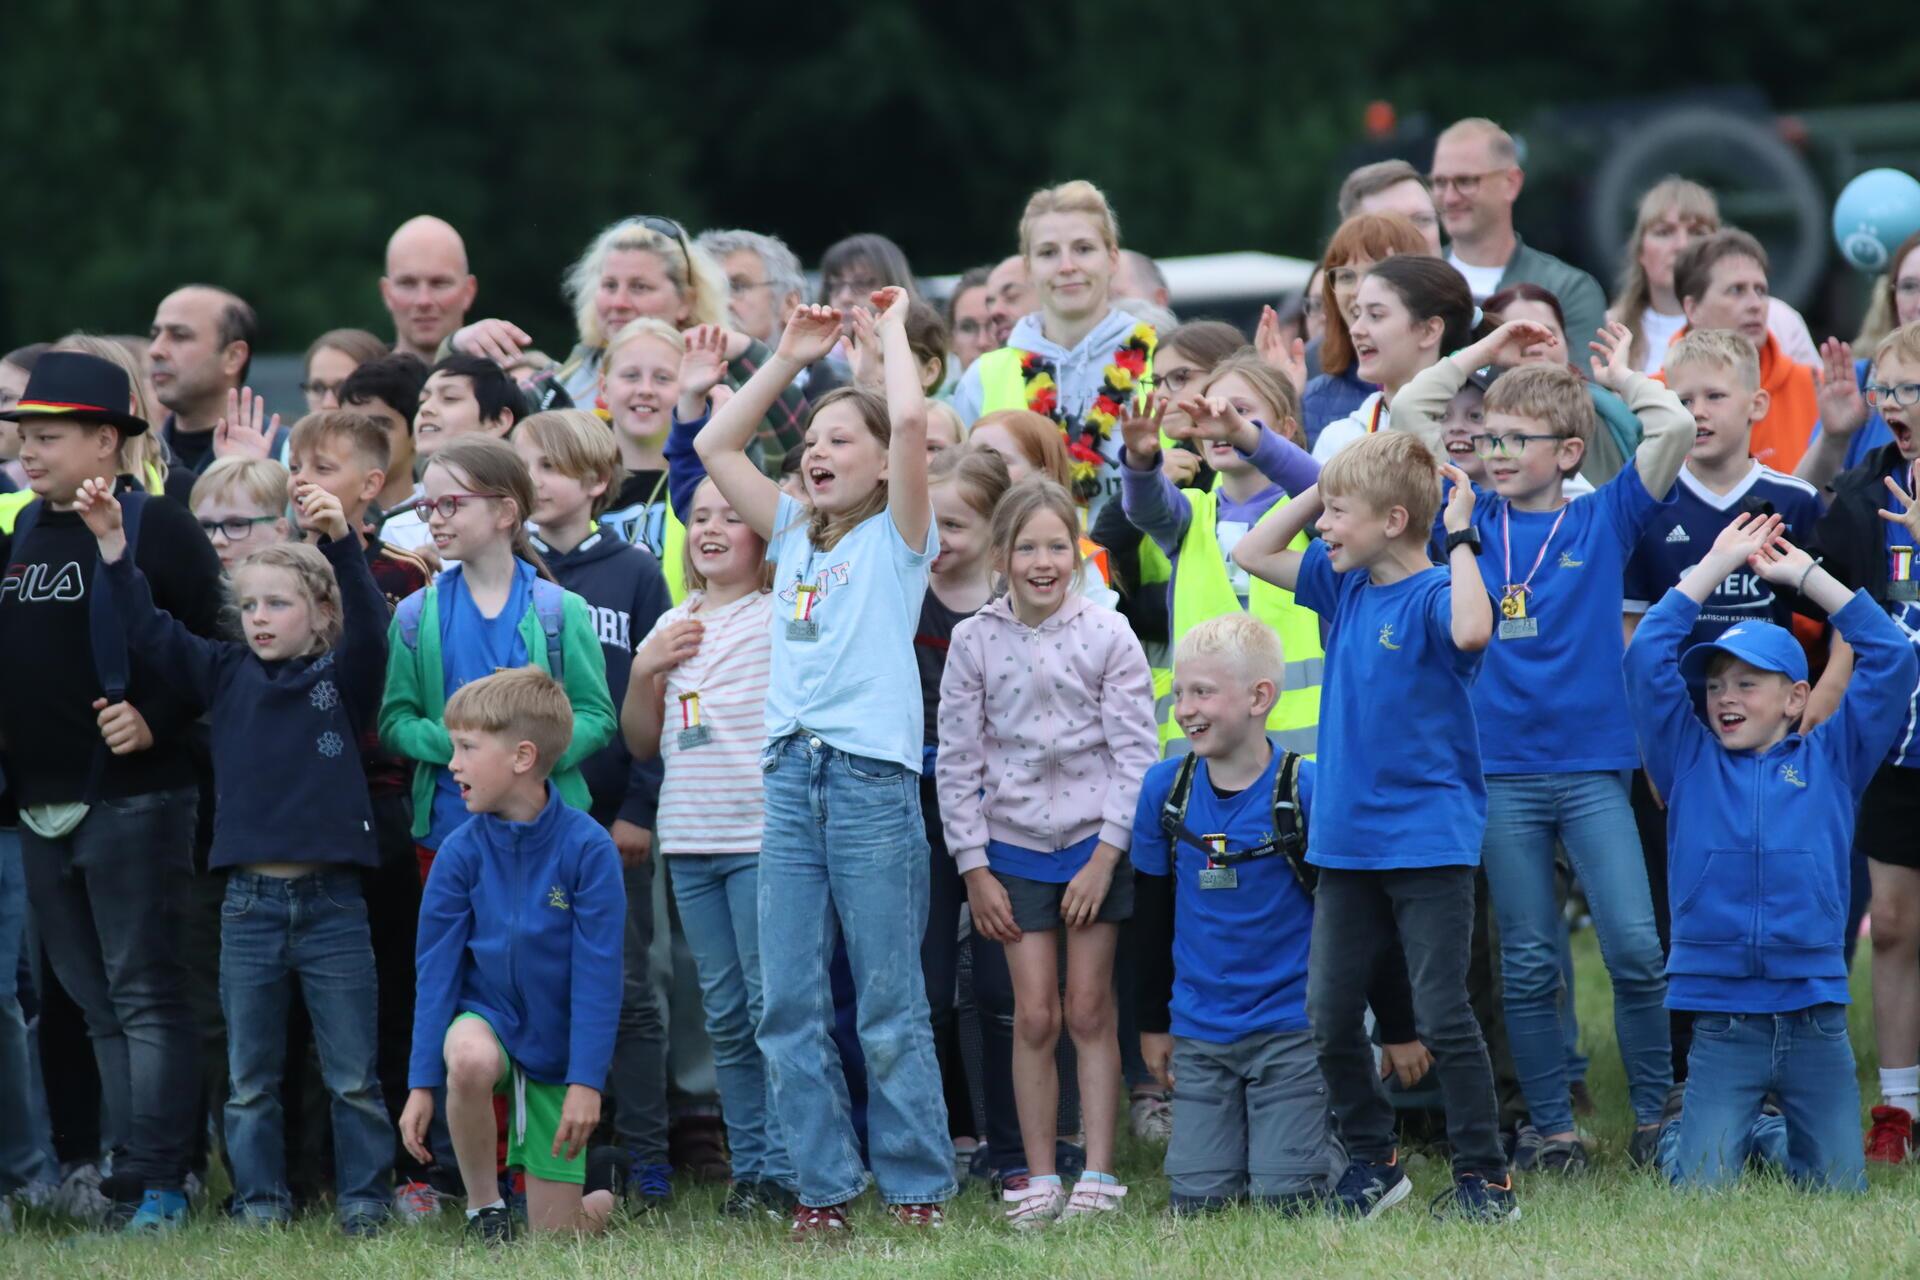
1759	843
523	924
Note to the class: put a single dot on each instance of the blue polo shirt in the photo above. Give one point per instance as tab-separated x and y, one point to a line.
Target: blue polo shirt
1676	539
1239	954
1397	736
1555	702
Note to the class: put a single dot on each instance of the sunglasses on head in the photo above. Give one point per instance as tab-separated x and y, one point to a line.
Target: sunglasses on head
665	226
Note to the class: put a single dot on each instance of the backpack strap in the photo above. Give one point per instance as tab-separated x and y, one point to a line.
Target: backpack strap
407	613
1290	822
550	605
1173	814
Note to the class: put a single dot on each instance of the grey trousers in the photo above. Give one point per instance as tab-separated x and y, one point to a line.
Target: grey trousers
1250	1119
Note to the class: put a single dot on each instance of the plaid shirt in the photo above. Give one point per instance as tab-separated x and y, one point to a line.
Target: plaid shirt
785	423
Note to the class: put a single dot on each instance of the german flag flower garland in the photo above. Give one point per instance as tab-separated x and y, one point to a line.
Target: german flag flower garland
1117	387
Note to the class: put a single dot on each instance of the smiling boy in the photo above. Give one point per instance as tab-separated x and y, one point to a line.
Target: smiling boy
464	394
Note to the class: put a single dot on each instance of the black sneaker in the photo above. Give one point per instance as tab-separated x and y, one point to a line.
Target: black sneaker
492	1226
1527	1142
1564	1156
1643	1148
774	1200
1368	1189
1473	1199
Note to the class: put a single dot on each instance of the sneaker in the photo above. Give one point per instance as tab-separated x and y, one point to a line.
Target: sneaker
1035	1204
415	1203
1643	1148
649	1187
1890	1139
363	1226
1527	1142
492	1226
79	1195
826	1225
697	1147
1473	1199
1367	1189
160	1213
1564	1156
773	1199
924	1216
1012	1186
1150	1115
1091	1199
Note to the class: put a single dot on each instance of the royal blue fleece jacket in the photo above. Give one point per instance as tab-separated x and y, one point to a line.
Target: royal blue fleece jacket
1759	842
523	923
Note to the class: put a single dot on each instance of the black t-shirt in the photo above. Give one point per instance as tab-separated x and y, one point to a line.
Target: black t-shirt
930	643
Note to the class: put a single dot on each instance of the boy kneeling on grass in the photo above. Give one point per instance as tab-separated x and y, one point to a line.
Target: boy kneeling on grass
1759	829
519	961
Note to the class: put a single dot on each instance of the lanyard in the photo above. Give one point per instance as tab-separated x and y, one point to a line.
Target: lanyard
1374	425
1506	550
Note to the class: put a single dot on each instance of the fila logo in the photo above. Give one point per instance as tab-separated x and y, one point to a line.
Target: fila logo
1679	534
40	582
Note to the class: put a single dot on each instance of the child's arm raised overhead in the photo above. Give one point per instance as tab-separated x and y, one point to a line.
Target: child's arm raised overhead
1472	607
361	654
1263	551
1422	403
1668	427
1273	455
722	443
702	370
1148	496
907	500
190	659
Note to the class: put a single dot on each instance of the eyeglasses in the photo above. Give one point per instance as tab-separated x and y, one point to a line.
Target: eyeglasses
234	528
859	286
1903	395
1465	183
740	284
447	505
1506	446
1174	380
320	390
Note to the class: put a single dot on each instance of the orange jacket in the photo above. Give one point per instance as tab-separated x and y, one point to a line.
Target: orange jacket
1780	438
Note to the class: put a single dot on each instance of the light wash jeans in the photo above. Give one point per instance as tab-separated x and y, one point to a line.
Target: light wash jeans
1591	815
719	900
1804	1059
310	932
844	840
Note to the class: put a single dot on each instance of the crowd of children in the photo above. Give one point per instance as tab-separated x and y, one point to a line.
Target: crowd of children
1098	698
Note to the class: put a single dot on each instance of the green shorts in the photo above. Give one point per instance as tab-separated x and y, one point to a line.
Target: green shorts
533	1118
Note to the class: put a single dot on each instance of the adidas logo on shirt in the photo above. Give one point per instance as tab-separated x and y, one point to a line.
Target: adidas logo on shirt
1679	534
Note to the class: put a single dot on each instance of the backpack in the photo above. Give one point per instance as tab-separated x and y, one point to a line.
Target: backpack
107	639
1289	821
549	603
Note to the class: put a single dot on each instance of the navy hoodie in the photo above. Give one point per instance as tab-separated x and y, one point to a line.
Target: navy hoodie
288	778
523	924
626	593
1760	842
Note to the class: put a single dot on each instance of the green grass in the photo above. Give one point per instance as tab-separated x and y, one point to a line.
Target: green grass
1612	1224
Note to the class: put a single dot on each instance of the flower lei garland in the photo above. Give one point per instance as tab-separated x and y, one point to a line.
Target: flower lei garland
1118	385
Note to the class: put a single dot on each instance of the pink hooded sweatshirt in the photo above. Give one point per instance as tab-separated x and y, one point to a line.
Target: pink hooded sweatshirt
1045	732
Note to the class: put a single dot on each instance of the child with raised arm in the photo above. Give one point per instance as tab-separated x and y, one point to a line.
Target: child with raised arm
288	710
1401	804
1556	752
1760	822
1046	727
843	825
519	963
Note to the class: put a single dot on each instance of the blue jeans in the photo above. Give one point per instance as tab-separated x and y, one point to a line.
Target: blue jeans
105	897
1589	813
844	839
311	931
1805	1060
719	896
20	1157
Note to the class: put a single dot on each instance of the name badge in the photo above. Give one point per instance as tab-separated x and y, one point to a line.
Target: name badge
1214	876
802	627
1519	628
693	732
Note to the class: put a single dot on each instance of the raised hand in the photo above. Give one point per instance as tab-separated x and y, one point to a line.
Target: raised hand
500	341
1289	358
1506	346
667	648
703	365
99	511
868	362
1612	361
891	303
1744	539
1780	562
1215	418
321	510
1180	466
1843	410
244	432
811	332
1459	509
1909	513
1140	431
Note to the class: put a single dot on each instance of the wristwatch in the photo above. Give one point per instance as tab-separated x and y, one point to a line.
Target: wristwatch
1467	537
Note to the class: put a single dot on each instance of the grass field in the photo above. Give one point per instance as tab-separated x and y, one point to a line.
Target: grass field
1614	1223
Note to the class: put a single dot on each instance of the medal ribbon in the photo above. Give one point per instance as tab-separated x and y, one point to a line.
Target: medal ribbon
690	710
803	598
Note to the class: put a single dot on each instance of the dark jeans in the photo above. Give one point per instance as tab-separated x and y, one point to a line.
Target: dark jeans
105	897
1651	820
1355	917
393	914
638	1078
200	893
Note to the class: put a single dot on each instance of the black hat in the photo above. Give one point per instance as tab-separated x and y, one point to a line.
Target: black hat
73	384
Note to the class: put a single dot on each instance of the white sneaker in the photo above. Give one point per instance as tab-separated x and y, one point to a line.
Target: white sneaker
80	1195
1091	1199
1039	1205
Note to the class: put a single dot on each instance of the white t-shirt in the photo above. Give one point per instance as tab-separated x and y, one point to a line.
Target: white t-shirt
1372	415
1484	281
1659	329
711	799
405	529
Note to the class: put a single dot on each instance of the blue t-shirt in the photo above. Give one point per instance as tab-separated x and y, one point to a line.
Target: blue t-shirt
1397	736
1038	864
473	647
1673	543
857	686
1556	702
1239	954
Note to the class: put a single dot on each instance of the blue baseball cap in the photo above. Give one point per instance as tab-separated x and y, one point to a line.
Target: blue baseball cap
1758	644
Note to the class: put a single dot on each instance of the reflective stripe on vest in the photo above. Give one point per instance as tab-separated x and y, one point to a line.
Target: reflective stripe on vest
1202	590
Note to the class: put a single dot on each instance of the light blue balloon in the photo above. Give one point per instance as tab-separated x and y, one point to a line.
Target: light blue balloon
1874	214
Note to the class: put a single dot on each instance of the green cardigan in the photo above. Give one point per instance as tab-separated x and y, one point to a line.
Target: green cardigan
411	713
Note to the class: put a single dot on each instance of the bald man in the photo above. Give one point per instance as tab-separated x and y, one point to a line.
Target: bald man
200	346
1476	180
427	288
